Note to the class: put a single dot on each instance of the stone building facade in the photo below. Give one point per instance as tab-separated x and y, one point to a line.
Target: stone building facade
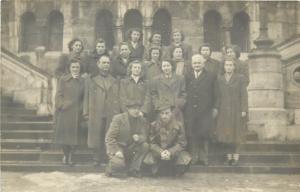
39	30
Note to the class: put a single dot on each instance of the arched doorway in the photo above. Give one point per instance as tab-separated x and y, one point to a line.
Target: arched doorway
162	22
240	31
55	31
132	19
28	39
212	29
104	28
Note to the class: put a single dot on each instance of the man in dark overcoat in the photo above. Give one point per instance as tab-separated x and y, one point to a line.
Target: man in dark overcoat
101	103
199	108
211	65
119	66
126	142
167	143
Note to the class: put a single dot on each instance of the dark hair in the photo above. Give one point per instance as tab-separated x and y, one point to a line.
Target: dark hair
155	48
173	49
74	61
169	61
236	49
104	55
178	31
205	45
154	33
226	58
71	43
123	43
129	32
129	68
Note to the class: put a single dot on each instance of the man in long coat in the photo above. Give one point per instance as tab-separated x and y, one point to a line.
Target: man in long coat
121	61
101	103
167	143
126	142
211	65
199	109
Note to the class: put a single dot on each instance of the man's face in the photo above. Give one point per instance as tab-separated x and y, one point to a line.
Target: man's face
136	69
134	111
75	69
198	63
177	53
205	51
228	66
77	47
166	67
124	51
104	63
156	39
166	115
135	36
155	54
100	48
177	37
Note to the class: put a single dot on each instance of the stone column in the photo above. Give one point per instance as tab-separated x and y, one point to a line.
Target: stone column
147	25
267	115
118	35
227	33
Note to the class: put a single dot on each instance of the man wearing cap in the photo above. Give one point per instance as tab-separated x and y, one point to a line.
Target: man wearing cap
199	107
126	142
167	143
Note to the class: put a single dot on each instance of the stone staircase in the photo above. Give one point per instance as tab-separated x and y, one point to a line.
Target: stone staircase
26	145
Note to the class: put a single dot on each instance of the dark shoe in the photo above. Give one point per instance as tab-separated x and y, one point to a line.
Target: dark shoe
70	159
136	174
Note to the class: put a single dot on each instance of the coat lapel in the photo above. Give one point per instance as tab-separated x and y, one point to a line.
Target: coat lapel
99	81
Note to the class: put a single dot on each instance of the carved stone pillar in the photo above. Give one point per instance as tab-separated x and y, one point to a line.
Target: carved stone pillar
227	33
147	25
267	115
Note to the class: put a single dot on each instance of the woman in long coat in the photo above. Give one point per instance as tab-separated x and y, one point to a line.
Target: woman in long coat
135	42
153	65
101	103
232	110
68	115
171	86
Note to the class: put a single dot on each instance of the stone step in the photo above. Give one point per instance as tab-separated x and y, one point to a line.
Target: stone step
27	134
17	110
26	143
271	146
6	117
27	125
33	166
20	155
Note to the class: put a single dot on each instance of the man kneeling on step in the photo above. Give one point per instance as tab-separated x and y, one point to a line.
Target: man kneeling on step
167	155
126	142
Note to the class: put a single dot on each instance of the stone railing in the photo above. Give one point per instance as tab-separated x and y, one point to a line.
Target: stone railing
25	82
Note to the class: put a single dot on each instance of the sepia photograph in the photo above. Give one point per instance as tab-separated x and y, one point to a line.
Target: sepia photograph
150	96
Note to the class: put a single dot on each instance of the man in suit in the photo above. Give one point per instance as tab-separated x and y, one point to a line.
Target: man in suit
126	142
199	111
167	143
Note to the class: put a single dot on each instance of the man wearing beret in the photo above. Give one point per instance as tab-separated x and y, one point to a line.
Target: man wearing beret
167	142
126	142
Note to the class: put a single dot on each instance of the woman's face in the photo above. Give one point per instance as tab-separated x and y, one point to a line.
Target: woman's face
75	69
100	48
230	53
124	51
135	36
155	54
166	67
77	46
228	66
104	63
205	51
156	39
177	37
177	53
136	69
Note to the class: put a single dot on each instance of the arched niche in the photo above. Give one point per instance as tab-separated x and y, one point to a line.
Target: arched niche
240	31
212	29
28	35
132	19
162	22
55	31
104	28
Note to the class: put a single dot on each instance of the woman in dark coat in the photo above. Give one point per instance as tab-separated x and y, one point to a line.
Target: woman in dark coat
154	41
135	42
69	100
75	53
120	63
101	103
153	65
180	64
100	49
232	109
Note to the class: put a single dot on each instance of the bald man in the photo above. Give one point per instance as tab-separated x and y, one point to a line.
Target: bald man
199	111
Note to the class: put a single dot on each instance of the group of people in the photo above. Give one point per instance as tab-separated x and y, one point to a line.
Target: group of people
155	109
